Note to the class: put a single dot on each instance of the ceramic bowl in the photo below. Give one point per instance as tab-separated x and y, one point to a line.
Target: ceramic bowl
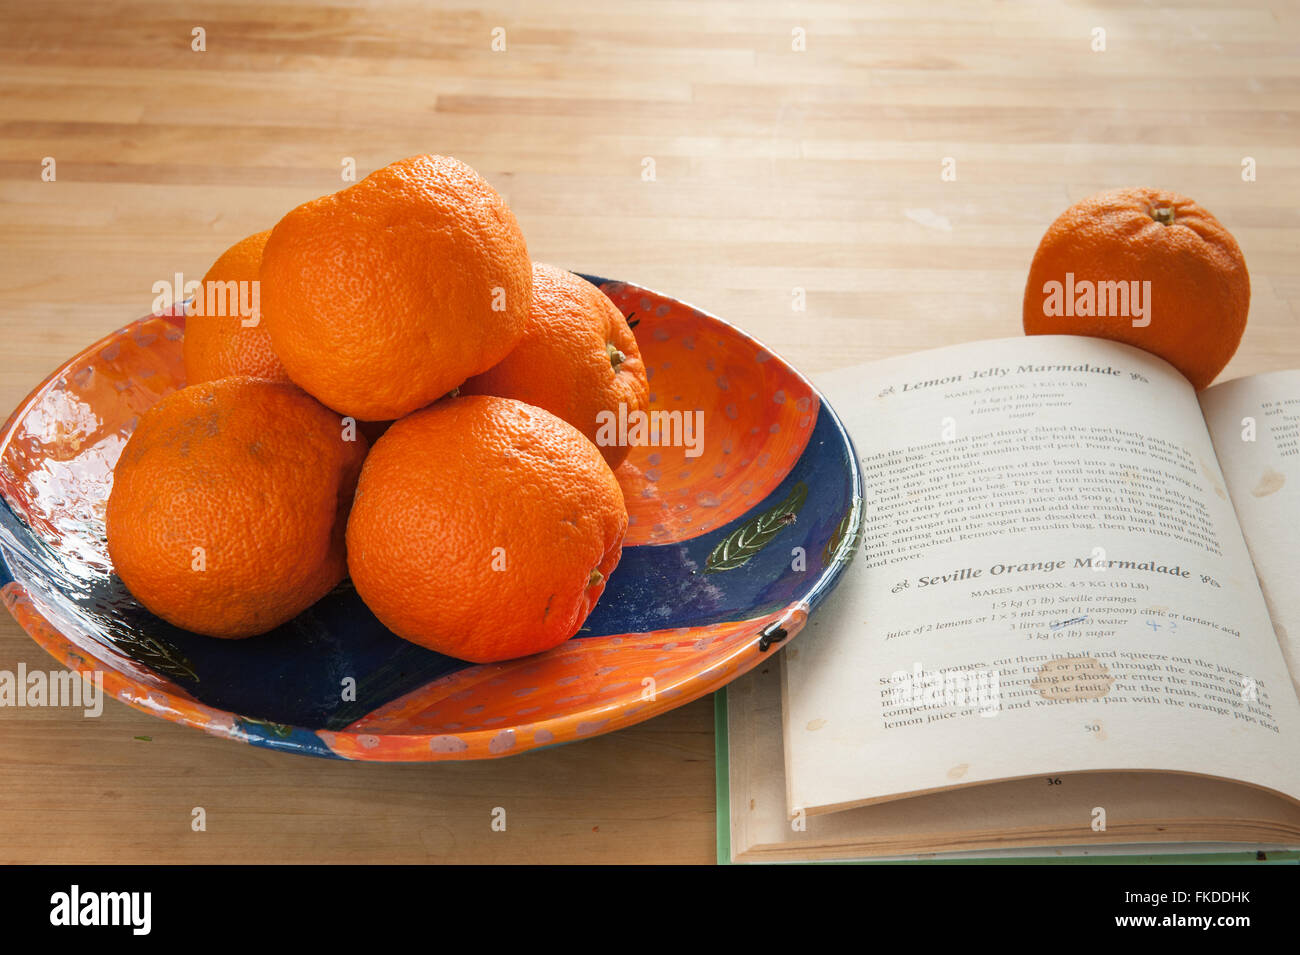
731	544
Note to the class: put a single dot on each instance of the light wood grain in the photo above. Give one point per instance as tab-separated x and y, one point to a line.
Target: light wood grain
775	170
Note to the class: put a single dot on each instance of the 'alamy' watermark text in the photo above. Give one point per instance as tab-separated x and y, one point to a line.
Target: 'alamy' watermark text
961	688
1088	299
655	429
55	688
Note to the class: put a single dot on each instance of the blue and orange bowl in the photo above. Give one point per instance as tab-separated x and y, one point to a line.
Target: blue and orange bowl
731	544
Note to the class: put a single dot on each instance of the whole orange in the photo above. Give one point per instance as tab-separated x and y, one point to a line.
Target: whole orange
1147	267
229	505
387	295
224	333
578	359
484	528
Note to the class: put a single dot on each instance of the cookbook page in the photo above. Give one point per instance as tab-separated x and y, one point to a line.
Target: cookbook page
1051	580
1255	425
1140	807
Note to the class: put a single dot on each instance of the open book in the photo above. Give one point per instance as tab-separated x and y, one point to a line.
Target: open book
1073	619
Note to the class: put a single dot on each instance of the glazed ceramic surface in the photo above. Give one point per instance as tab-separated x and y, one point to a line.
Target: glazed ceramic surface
730	546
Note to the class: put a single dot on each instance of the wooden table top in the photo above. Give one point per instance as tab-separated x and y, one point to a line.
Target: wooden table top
775	169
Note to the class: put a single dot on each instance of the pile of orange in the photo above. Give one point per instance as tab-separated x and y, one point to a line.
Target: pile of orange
410	401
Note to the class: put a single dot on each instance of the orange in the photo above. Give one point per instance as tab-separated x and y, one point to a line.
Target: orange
1147	267
484	528
578	359
229	505
224	333
387	295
